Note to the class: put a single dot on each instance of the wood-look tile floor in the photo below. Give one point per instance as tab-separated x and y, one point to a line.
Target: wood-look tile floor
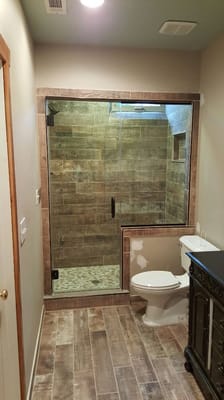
106	353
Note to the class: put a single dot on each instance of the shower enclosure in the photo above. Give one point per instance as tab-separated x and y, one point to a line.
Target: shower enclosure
111	164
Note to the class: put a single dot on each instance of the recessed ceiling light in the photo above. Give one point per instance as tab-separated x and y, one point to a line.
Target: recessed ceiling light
92	3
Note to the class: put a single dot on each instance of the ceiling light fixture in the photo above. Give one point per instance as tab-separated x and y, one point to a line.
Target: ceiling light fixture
92	3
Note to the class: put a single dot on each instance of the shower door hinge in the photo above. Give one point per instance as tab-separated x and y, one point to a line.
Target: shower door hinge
54	274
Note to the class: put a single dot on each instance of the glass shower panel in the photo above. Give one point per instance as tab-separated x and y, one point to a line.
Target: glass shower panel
84	237
154	160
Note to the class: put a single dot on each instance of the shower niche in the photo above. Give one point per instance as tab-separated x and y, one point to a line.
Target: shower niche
111	164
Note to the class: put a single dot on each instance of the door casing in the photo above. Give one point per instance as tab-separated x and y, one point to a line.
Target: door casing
5	58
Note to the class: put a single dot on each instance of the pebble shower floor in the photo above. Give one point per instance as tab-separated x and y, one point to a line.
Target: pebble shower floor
102	277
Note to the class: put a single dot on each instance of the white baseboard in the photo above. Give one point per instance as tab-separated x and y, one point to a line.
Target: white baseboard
29	391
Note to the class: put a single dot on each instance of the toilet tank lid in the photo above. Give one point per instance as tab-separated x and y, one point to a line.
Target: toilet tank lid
196	243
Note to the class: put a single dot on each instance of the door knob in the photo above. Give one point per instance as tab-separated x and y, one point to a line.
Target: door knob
3	294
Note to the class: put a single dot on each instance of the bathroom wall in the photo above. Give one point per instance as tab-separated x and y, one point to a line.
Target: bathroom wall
14	30
155	253
210	199
117	69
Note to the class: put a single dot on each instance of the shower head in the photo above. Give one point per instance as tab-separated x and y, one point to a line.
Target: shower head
53	111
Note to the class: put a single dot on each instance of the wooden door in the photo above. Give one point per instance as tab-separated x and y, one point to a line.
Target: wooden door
11	347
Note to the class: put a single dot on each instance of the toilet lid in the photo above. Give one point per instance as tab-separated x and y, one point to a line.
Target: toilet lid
156	280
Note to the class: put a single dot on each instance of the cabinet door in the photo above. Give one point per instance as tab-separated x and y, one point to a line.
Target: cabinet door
199	304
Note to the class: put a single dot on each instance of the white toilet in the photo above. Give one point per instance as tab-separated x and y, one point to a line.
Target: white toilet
166	293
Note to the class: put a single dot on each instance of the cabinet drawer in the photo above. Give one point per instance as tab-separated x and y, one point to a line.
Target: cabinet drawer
218	339
218	317
217	373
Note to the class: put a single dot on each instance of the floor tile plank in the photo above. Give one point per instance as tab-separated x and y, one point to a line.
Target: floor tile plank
151	340
151	391
127	384
165	371
190	386
173	391
82	347
180	333
144	370
46	395
104	375
129	327
108	396
95	318
84	386
45	363
62	390
168	341
64	363
43	382
118	349
65	328
132	338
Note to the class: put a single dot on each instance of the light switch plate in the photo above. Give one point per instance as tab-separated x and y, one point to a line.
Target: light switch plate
23	231
37	196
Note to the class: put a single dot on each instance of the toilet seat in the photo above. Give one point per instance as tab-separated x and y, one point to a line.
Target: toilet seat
156	280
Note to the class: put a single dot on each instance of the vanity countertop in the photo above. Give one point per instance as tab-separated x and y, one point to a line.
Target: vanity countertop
212	262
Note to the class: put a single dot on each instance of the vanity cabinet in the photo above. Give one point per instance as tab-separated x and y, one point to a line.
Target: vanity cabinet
205	350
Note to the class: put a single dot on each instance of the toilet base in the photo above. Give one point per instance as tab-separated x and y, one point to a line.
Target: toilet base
175	313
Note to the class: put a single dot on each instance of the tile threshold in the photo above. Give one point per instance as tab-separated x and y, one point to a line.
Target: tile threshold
63	295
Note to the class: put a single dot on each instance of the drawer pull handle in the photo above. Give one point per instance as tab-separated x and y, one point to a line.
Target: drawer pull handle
221	344
220	387
221	368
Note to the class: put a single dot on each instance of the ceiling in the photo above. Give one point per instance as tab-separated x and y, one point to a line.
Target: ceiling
126	23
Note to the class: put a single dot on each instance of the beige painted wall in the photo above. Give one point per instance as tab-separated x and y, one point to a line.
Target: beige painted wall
13	29
117	69
210	203
155	253
122	69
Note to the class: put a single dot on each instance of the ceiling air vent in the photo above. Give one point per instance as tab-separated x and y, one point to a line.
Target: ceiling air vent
55	6
177	27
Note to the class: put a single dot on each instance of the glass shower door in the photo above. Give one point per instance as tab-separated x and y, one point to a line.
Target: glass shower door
85	238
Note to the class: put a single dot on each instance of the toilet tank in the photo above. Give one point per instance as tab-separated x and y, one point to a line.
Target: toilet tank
193	243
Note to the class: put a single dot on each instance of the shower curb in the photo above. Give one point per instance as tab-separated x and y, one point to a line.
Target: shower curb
57	303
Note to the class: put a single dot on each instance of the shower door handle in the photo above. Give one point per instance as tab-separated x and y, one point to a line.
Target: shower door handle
112	207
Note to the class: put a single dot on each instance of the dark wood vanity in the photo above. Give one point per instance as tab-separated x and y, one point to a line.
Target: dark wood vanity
205	350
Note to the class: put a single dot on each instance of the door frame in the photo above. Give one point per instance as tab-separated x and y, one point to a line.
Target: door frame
5	58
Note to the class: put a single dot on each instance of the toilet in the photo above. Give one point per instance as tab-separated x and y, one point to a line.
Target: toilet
166	293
